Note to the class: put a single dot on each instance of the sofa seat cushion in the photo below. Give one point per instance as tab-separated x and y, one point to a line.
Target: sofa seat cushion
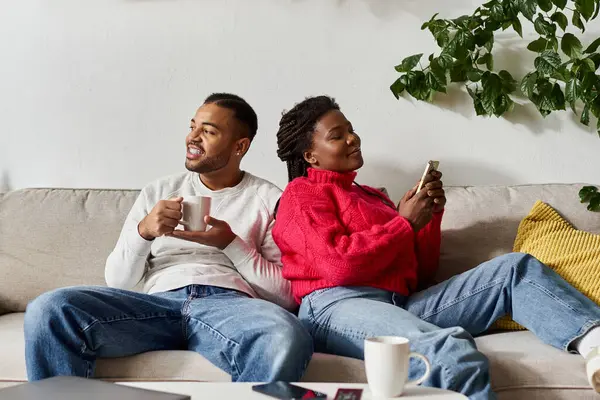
161	365
520	364
520	360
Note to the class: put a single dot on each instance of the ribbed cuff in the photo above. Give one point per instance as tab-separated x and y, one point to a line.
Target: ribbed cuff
238	251
137	244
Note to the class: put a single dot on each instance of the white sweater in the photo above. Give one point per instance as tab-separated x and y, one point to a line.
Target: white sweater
250	264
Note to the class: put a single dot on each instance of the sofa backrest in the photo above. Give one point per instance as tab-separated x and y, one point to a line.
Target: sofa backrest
481	222
51	238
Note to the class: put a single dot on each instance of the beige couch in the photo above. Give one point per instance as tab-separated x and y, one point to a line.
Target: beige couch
60	237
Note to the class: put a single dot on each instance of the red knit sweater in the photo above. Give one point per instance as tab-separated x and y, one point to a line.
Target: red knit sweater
331	233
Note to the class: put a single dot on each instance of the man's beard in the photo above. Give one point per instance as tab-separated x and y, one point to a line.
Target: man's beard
210	164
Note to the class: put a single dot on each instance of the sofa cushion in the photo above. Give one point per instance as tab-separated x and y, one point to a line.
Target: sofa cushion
161	365
481	222
520	360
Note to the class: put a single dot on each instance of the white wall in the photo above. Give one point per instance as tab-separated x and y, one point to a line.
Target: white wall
99	93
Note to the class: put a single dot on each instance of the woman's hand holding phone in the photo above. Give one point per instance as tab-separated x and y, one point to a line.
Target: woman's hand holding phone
426	198
416	208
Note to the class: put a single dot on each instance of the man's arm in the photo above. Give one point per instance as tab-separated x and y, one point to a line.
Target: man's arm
126	265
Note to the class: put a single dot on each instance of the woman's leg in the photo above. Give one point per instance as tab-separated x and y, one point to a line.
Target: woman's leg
339	320
516	284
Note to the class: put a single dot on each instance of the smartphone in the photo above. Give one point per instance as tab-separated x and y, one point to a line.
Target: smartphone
431	166
287	391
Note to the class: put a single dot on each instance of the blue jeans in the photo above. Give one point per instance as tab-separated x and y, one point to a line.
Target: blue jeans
441	320
251	339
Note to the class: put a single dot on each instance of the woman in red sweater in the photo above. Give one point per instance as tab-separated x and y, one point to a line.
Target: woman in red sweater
360	266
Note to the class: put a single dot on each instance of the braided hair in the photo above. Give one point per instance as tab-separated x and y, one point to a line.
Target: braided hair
295	133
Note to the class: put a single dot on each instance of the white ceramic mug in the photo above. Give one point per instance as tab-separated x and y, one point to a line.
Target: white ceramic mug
386	363
194	209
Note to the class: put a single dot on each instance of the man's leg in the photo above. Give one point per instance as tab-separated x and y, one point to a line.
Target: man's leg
341	318
517	284
253	340
67	329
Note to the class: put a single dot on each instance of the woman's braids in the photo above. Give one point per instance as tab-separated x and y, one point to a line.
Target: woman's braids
296	128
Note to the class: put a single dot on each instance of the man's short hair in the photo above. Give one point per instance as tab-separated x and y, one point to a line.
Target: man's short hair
241	109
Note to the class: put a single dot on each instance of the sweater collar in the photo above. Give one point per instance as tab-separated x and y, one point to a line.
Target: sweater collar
337	178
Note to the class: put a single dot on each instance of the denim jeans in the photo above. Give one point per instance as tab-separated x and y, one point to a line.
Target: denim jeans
251	339
440	321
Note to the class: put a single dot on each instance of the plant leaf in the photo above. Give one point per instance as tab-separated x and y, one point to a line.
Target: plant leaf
576	20
471	92
488	60
474	76
595	106
497	12
571	46
445	60
593	46
462	21
461	44
572	92
509	84
586	8
479	110
426	24
538	45
528	8
397	88
545	5
492	88
594	203
586	192
547	62
585	115
490	44
417	85
436	84
597	11
528	83
595	59
544	104
558	97
409	63
582	67
553	42
560	19
516	24
543	27
482	36
440	76
560	3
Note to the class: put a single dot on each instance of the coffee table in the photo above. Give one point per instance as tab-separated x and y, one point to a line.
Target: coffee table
243	391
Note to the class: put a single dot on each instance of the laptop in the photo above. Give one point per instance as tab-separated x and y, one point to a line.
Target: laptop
74	388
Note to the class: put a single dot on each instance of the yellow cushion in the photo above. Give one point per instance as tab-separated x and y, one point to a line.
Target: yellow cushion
573	254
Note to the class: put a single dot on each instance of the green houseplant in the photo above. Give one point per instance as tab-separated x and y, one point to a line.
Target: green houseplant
563	73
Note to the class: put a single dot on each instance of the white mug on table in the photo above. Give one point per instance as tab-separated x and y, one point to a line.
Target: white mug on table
386	364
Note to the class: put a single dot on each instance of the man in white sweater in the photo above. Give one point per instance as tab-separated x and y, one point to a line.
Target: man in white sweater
219	292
